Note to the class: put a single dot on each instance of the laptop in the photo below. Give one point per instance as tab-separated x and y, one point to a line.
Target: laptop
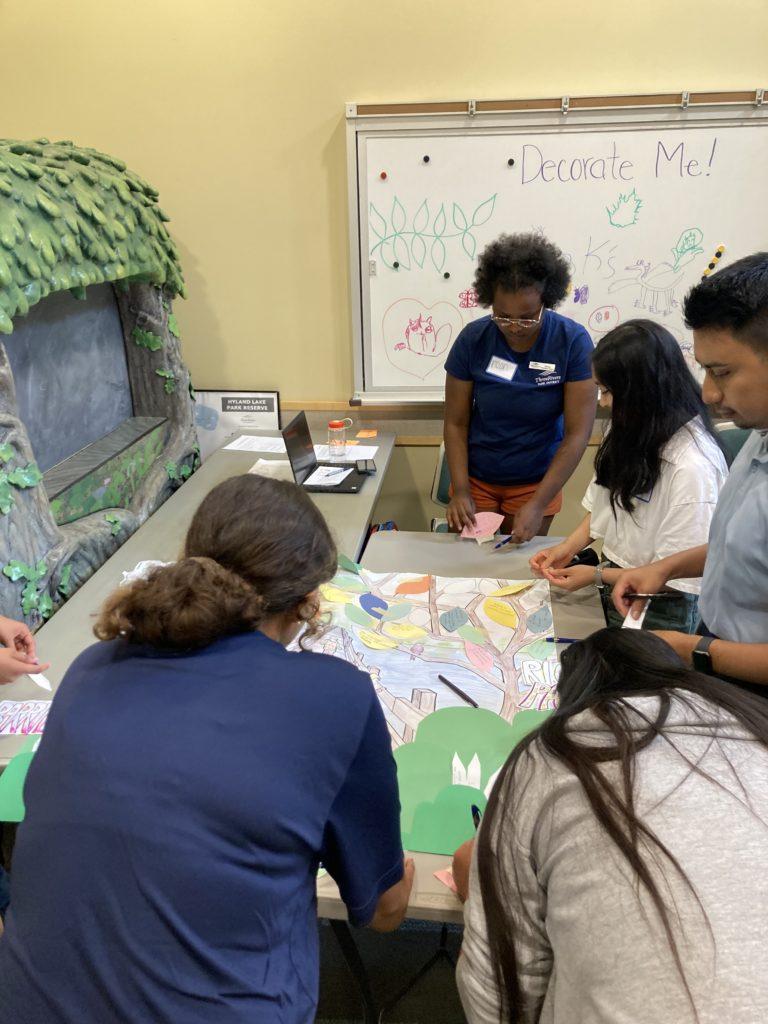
301	455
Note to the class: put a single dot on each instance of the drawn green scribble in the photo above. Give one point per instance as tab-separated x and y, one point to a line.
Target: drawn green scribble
623	213
407	246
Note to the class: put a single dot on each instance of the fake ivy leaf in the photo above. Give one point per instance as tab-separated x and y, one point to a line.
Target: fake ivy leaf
45	606
147	339
173	325
6	452
6	494
115	523
25	476
64	581
15	570
29	598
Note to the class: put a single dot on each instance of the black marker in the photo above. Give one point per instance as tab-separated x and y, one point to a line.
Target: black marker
456	690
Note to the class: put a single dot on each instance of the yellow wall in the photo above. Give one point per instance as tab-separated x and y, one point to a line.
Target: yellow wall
234	110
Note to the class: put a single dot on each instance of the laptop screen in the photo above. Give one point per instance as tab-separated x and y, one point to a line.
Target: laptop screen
298	445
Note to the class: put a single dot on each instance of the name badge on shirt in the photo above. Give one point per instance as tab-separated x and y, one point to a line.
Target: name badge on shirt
503	368
544	367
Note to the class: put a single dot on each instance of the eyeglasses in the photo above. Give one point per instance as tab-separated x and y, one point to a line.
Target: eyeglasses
510	321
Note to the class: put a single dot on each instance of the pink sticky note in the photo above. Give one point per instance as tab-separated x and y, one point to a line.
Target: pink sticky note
486	525
446	877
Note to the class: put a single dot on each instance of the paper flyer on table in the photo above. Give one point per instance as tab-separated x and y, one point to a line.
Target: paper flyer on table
327	476
250	443
361	451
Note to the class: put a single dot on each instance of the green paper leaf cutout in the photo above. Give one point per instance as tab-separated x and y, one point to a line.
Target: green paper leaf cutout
468	632
345	562
453	618
358	616
397	611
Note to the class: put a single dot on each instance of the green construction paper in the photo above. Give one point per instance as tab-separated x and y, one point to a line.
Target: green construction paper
348	564
435	813
358	616
12	783
452	619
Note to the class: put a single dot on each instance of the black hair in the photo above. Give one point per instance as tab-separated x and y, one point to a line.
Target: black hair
599	674
733	299
654	395
513	262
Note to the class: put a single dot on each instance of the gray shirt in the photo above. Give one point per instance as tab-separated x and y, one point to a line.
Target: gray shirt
590	949
734	591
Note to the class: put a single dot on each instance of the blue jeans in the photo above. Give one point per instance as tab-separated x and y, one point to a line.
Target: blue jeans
679	612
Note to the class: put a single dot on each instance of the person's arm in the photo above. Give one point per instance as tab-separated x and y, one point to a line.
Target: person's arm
748	662
361	844
458	410
561	554
580	406
392	905
650	579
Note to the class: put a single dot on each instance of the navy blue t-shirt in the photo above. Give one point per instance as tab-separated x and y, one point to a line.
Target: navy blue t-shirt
177	810
518	398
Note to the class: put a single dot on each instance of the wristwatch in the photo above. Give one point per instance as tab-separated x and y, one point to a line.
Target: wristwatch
599	581
702	659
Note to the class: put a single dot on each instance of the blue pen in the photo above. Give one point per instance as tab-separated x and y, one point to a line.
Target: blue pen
501	544
476	816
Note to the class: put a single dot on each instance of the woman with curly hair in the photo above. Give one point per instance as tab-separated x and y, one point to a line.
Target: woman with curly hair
520	400
192	775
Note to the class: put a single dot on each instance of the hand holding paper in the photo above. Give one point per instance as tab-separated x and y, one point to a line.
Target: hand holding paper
486	525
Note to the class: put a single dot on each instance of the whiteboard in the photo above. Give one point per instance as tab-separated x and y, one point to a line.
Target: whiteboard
638	209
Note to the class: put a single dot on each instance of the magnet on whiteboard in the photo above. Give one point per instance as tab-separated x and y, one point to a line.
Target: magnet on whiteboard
383	175
511	162
425	158
446	275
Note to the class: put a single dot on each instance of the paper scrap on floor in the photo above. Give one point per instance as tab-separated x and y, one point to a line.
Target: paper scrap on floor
486	525
21	717
276	469
363	451
630	623
249	443
327	476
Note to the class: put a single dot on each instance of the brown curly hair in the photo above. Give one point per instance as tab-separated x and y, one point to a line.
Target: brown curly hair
255	547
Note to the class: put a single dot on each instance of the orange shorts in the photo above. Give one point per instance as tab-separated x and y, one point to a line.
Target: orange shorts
507	499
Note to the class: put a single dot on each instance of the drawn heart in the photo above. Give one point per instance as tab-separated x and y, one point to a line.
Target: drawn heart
416	337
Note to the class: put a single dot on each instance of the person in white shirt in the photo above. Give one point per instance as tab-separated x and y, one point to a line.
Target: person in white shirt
621	866
658	474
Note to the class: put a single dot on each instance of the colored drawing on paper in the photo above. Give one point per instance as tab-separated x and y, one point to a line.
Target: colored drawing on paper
417	337
487	637
21	717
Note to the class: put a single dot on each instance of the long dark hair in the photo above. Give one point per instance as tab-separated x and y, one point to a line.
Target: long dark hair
654	395
598	675
255	547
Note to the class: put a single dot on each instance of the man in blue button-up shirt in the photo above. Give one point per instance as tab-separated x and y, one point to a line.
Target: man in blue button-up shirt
729	316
